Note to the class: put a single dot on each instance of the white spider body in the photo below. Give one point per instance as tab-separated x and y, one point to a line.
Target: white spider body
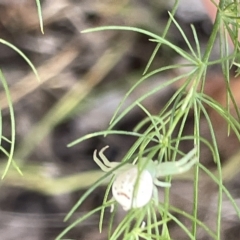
131	190
134	188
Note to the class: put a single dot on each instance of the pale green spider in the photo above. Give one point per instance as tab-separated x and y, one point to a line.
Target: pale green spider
126	176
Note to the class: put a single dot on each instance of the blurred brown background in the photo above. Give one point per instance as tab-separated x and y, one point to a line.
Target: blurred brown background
83	79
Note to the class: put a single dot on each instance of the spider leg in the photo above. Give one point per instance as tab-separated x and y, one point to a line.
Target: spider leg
111	208
134	161
155	195
161	184
186	158
143	225
183	165
99	163
105	160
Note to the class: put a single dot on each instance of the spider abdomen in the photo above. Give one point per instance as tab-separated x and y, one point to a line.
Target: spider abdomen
124	184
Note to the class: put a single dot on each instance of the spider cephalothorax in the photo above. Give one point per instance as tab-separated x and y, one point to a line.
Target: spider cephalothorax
134	187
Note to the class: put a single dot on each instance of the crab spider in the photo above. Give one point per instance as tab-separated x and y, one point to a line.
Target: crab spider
133	188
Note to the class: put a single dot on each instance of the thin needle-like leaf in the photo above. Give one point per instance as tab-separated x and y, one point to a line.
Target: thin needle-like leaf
22	55
39	9
12	120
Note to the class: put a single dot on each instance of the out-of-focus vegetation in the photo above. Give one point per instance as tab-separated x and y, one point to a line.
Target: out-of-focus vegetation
83	79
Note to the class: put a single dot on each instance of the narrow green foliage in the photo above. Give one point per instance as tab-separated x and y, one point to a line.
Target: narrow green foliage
39	9
105	200
10	105
163	35
160	136
13	130
22	55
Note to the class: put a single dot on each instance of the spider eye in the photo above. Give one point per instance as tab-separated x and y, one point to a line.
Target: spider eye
123	188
